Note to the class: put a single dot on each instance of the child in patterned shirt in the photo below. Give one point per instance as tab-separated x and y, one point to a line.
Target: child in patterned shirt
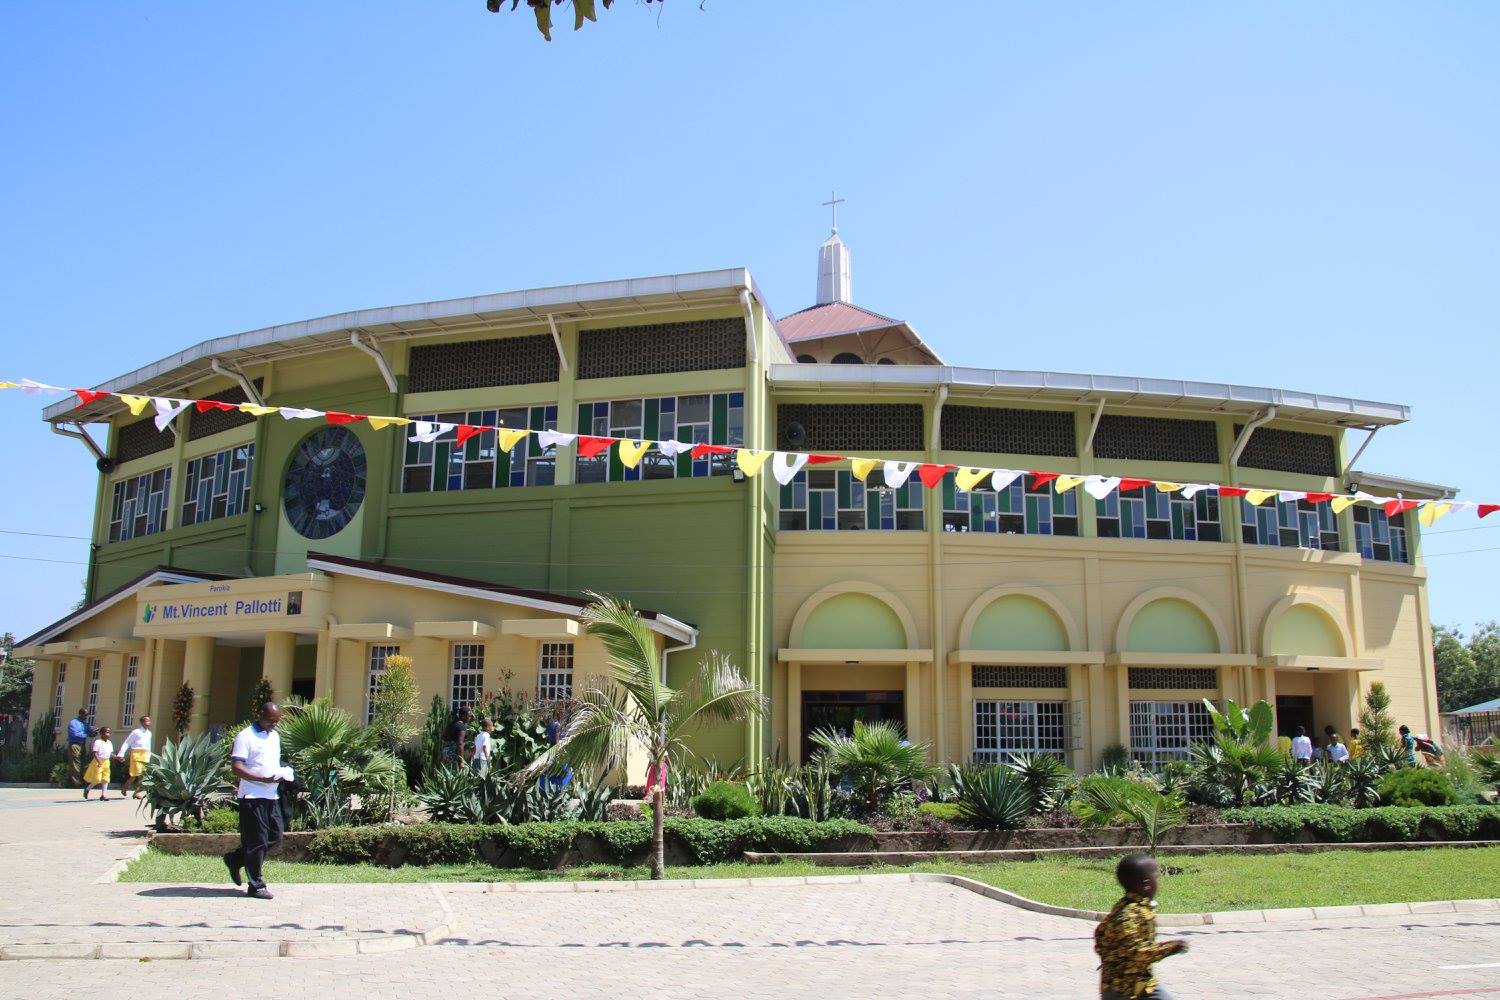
1126	940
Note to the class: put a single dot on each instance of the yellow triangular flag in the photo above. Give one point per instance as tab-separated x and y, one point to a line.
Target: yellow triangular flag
381	423
1167	487
1341	504
630	451
9	385
967	479
255	409
1063	484
509	436
136	404
862	467
1257	497
1431	512
750	461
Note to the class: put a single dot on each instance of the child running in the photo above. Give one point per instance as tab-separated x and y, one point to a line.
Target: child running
1126	940
97	772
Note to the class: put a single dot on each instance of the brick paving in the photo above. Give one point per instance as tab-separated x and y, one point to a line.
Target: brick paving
746	941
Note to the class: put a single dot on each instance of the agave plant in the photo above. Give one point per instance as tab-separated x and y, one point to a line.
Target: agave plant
1044	776
774	785
1292	783
1487	763
1362	781
1105	800
877	760
815	793
185	779
990	795
593	803
450	795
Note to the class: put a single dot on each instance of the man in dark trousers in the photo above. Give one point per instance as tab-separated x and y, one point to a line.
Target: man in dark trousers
256	761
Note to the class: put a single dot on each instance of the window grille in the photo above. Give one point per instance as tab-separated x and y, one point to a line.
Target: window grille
1379	536
479	364
660	348
127	713
57	697
1008	431
1175	678
217	485
1289	451
140	504
1155	439
835	500
467	687
718	418
378	656
1149	513
985	676
202	425
1022	508
442	465
93	689
1162	731
846	427
555	672
1002	728
1290	524
140	439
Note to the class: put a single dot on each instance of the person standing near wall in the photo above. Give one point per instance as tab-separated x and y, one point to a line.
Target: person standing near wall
135	751
78	739
256	761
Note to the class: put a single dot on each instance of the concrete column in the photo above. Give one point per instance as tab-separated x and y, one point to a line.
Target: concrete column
1078	694
794	712
965	749
916	728
276	667
1268	678
328	648
1122	704
197	672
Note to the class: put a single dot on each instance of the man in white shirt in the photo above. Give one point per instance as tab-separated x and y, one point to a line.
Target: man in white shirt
484	746
256	761
135	752
1302	746
1337	752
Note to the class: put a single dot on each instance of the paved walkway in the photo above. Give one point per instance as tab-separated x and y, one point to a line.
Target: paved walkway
741	940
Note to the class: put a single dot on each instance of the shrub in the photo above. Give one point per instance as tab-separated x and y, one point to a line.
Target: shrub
877	760
18	765
948	812
1044	776
990	796
220	819
1340	824
1417	786
725	800
1105	800
1114	759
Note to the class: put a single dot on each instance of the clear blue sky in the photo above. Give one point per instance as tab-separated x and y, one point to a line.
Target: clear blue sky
1296	195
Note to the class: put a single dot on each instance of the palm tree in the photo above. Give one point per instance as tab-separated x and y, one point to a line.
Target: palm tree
877	760
639	708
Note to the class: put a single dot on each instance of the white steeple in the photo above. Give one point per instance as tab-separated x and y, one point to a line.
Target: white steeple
833	263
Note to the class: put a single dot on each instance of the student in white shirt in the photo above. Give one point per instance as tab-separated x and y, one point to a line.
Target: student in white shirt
97	773
256	761
484	748
135	753
1302	746
1337	752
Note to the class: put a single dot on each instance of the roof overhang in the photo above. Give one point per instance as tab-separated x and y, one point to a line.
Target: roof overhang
123	592
1413	489
1069	387
172	375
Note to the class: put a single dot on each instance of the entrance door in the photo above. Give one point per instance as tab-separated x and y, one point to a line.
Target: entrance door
838	710
1293	710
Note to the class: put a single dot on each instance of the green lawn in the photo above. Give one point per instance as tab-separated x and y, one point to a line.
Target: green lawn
1206	882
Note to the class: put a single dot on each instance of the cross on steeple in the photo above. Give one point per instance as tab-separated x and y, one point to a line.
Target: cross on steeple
834	201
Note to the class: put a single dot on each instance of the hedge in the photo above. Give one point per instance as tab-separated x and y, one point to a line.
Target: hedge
542	845
1341	824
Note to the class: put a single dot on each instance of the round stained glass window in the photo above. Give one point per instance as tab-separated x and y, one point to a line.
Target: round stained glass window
325	483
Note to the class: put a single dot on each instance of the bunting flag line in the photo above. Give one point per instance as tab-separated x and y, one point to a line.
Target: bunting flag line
785	465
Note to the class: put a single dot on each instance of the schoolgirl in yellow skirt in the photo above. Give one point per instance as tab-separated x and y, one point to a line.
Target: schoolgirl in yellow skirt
97	773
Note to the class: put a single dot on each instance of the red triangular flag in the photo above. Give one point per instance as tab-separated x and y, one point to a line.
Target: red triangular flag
1040	479
1232	491
588	447
87	396
823	459
335	417
932	474
1126	485
204	405
1488	508
463	432
1397	506
1319	497
705	450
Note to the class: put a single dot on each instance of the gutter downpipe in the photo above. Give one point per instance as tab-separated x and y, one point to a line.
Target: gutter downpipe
1239	446
756	392
246	386
934	601
380	362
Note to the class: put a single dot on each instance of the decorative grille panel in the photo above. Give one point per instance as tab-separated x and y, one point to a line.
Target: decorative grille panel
1020	677
851	426
659	348
1156	439
1001	430
476	364
140	439
1290	451
1174	678
201	425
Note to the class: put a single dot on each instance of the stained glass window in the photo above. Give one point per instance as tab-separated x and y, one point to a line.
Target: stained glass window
480	464
1291	524
325	483
1379	536
1149	513
217	485
1022	508
140	505
835	500
716	418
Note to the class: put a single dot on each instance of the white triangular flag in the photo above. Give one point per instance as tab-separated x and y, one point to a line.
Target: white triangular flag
897	473
298	413
426	431
672	449
1100	487
1191	490
786	464
31	387
552	439
1288	496
167	410
1002	479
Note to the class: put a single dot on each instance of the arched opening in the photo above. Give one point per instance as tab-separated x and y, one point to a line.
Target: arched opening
885	361
1018	622
1171	625
1305	630
806	359
846	358
853	621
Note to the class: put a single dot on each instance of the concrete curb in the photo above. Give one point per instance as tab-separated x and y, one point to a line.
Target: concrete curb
118	868
154	951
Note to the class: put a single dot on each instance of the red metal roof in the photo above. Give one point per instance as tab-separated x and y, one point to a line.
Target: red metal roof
831	319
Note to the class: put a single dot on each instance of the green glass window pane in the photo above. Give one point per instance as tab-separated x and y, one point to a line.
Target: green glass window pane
976	512
843	481
440	464
1176	521
872	510
653	420
1032	518
412	451
720	432
950	501
616	467
585	418
502	467
786	496
1004	502
1101	508
815	510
